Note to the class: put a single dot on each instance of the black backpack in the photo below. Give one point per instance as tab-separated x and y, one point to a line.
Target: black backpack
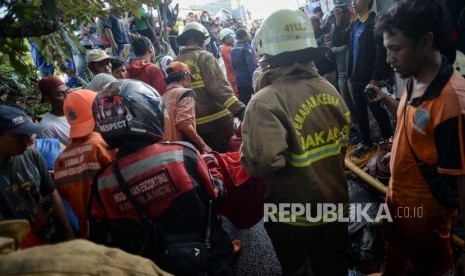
178	252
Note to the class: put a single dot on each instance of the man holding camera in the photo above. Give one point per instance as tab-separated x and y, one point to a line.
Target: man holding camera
366	65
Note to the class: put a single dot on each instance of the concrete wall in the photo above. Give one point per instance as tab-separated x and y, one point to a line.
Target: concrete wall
382	5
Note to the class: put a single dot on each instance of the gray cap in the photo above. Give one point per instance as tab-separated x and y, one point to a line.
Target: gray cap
99	81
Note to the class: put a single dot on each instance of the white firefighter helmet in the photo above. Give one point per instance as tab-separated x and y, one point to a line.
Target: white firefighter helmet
285	31
225	32
193	29
256	41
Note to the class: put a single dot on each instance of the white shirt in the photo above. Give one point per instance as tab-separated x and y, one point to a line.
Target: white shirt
57	127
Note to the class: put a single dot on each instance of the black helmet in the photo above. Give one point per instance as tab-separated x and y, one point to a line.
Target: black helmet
128	109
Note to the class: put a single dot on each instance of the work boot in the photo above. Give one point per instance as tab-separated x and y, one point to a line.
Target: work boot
362	148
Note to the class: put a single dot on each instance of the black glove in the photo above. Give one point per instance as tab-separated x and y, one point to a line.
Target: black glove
221	193
240	114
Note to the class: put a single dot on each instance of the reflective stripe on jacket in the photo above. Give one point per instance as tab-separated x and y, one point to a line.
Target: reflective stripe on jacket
293	132
215	100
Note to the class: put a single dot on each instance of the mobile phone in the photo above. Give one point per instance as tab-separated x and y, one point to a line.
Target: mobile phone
327	38
126	51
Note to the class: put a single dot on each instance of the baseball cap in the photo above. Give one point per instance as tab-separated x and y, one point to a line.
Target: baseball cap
16	121
96	55
78	112
49	83
99	81
176	69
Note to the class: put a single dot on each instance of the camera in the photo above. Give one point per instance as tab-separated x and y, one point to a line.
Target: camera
341	7
371	93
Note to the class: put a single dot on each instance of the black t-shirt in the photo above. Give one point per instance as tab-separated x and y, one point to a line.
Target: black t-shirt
24	179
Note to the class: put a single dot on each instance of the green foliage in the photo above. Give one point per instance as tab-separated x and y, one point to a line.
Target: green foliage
40	20
21	89
25	17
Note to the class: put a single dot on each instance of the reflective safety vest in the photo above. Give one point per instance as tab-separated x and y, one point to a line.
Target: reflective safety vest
159	176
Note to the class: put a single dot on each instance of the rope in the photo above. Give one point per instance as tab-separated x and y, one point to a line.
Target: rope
362	160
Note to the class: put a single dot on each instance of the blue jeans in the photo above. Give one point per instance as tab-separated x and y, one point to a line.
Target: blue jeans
342	81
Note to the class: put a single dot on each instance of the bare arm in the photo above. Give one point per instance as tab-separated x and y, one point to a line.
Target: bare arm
110	37
61	217
340	34
184	123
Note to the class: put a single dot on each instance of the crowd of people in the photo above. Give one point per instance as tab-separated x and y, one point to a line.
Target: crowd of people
132	160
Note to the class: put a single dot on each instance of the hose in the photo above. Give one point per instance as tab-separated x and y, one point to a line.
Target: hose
362	160
355	167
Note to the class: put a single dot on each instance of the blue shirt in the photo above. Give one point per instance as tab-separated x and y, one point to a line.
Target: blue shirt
243	61
49	149
359	26
119	30
46	69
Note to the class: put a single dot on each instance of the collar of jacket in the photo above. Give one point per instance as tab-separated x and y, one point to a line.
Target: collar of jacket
174	85
191	48
364	18
371	17
295	71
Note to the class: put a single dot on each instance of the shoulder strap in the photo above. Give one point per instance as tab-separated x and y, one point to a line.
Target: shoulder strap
125	189
94	189
186	92
181	143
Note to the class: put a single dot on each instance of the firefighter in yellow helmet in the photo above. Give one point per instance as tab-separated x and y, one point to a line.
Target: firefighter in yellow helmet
216	105
295	132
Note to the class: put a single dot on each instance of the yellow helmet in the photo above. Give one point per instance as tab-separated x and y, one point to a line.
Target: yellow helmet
285	31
